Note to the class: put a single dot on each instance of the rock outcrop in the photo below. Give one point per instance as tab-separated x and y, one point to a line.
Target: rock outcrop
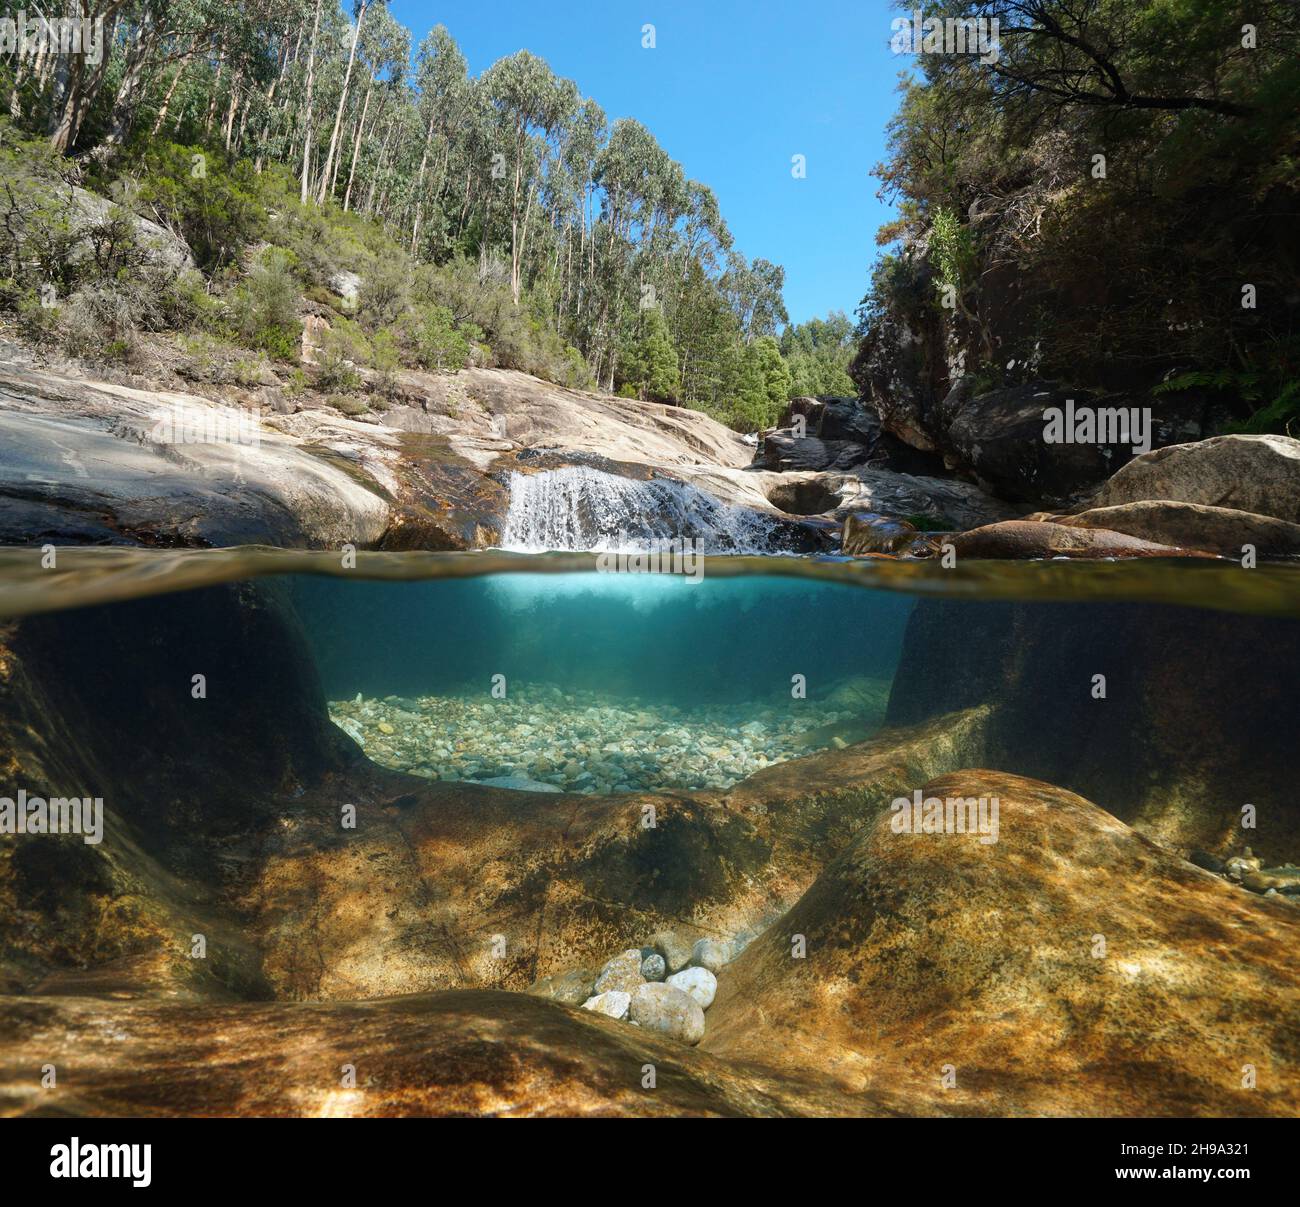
1258	474
1039	539
1221	530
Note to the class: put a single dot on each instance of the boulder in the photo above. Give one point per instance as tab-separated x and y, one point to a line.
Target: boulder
998	436
313	337
1070	967
1189	730
612	1004
348	286
782	452
1259	474
158	245
1221	530
573	988
1038	539
711	954
667	1010
700	983
675	950
622	973
868	533
653	966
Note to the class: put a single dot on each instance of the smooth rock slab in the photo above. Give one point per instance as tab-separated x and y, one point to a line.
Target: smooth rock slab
613	1004
669	1011
700	983
622	973
1220	530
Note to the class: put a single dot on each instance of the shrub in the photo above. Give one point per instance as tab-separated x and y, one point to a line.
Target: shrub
215	205
264	309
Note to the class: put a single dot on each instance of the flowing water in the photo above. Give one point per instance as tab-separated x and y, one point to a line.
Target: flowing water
579	508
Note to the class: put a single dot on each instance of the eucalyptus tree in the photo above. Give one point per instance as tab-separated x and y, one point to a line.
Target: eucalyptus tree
385	50
443	84
530	101
325	187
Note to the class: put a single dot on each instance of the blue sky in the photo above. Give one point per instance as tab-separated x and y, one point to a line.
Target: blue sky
733	89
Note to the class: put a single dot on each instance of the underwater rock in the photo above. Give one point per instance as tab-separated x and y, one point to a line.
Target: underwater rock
518	783
700	983
461	1054
622	973
676	951
653	967
572	988
613	1003
1281	880
669	1011
710	954
1070	968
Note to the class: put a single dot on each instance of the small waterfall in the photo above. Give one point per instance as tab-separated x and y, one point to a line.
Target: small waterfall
583	509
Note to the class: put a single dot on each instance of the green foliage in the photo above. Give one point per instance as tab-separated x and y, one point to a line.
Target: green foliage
649	365
952	250
438	343
762	387
217	207
1274	402
818	354
264	309
343	350
1099	197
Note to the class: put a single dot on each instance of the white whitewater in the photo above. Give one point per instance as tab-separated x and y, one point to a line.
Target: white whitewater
584	510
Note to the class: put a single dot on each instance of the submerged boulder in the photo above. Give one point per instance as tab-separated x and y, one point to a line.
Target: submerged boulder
1150	710
667	1010
1070	967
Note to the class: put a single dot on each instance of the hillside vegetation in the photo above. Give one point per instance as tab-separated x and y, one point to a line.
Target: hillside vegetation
496	220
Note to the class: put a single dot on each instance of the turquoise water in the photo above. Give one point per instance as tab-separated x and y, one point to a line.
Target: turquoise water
655	637
600	683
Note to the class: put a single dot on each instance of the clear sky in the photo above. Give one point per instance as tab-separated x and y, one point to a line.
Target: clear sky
732	90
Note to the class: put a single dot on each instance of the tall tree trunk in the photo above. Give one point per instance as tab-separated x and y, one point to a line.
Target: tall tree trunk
326	178
234	104
379	170
306	136
171	90
356	146
216	89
